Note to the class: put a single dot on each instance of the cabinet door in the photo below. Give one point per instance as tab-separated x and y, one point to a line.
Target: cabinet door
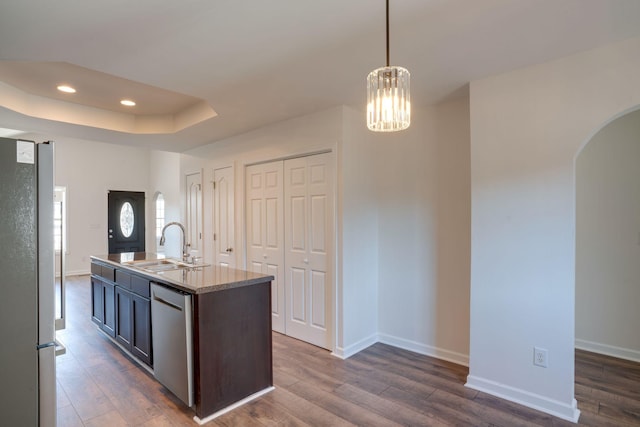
97	313
123	317
141	327
109	308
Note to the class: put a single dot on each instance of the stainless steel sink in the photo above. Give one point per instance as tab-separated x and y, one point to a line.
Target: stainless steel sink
160	265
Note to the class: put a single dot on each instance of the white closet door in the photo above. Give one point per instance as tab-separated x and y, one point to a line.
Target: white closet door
223	217
308	205
265	235
194	212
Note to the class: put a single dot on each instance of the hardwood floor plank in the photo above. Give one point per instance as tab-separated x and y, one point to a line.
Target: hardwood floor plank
436	410
625	413
282	379
340	407
594	420
236	418
340	370
86	397
499	415
161	421
303	409
267	414
110	419
68	417
125	395
61	396
515	410
383	407
400	370
430	365
621	388
294	368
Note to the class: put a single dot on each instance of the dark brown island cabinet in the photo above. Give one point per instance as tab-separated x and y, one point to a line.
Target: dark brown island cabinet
122	309
230	324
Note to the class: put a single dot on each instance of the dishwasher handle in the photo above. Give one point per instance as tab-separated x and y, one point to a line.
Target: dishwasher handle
165	302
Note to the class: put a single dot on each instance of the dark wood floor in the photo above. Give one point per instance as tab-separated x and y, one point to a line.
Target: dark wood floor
380	386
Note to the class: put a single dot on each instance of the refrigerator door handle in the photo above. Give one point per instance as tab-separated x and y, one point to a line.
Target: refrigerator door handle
49	344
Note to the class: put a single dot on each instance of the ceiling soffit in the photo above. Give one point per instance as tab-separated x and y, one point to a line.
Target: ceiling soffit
29	88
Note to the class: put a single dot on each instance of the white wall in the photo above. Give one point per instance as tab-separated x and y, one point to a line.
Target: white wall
89	170
358	234
164	177
608	240
424	207
527	127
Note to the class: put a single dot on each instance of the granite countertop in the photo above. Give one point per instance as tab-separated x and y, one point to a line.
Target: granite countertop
198	279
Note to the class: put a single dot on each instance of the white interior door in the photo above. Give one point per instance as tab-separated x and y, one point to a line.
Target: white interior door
308	206
223	217
265	233
194	212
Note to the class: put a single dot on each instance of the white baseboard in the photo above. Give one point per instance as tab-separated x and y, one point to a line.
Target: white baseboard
345	353
239	403
609	350
78	273
427	350
416	347
569	412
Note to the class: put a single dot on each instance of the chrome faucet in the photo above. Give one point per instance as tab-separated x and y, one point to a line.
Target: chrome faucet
185	245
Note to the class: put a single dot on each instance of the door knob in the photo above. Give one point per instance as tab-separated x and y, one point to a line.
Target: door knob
264	256
229	249
110	236
306	261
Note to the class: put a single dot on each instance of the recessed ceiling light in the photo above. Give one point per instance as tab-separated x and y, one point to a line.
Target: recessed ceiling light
66	89
128	102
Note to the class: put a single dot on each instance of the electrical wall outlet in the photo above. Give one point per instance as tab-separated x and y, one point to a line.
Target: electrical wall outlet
540	357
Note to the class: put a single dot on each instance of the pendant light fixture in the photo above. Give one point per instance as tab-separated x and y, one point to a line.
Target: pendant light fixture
388	102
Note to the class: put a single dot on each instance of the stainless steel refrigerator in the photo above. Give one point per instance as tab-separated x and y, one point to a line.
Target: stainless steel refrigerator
27	305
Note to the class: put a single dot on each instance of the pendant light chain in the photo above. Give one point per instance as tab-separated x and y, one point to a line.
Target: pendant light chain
388	34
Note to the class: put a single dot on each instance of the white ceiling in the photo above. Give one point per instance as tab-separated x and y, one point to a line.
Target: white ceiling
256	62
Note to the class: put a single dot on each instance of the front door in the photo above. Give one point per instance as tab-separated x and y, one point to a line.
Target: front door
126	221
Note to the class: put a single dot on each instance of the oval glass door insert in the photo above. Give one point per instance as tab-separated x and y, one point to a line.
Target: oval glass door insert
126	219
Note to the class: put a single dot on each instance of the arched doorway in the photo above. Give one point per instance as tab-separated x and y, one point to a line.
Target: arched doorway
608	239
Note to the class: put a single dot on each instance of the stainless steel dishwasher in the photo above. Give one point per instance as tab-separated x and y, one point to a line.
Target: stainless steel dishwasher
172	341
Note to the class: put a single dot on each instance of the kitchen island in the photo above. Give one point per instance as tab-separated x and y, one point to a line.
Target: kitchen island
227	316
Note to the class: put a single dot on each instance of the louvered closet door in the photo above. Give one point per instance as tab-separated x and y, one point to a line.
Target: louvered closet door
265	233
308	206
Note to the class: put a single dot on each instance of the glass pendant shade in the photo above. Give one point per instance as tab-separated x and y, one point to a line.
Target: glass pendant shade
388	103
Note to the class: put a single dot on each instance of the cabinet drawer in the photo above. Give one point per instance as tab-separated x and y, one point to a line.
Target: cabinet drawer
140	286
103	271
96	269
123	279
108	273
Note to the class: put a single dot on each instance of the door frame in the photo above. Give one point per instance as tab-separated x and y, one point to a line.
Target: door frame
336	265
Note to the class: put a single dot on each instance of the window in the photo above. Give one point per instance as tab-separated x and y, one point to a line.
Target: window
127	219
159	220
